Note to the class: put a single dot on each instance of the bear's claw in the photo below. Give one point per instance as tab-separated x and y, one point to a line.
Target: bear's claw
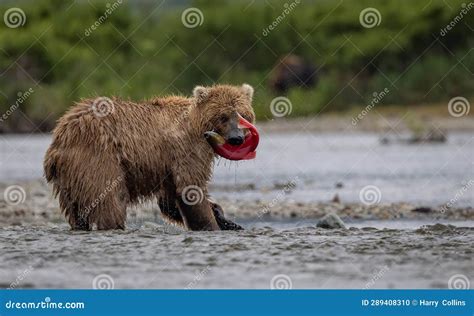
224	224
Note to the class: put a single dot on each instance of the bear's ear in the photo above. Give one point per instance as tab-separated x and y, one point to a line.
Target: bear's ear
248	90
200	93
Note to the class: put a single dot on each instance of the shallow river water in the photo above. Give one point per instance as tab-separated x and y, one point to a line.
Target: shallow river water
429	174
428	253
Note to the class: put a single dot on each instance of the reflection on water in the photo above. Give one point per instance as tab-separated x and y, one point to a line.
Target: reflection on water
430	174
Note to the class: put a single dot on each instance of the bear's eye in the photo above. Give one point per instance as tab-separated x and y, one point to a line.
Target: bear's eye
223	119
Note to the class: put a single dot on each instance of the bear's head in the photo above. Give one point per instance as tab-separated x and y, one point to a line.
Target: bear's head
226	111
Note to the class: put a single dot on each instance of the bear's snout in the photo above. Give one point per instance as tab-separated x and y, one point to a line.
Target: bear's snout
236	137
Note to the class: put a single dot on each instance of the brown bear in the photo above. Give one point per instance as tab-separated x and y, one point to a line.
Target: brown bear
292	71
107	154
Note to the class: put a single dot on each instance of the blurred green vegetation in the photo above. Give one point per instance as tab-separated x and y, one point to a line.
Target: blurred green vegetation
143	49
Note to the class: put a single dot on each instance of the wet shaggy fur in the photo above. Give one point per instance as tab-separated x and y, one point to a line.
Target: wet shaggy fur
99	163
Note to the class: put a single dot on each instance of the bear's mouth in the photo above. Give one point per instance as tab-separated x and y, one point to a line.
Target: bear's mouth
244	151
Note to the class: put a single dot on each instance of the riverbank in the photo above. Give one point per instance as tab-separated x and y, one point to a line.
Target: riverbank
40	208
383	246
383	119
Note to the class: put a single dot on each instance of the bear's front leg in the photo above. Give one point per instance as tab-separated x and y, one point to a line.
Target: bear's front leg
197	216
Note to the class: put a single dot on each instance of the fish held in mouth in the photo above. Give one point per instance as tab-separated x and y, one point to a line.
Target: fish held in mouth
244	151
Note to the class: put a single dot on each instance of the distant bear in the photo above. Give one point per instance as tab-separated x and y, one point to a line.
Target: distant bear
292	71
107	154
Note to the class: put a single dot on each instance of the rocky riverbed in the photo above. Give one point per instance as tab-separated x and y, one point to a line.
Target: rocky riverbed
383	246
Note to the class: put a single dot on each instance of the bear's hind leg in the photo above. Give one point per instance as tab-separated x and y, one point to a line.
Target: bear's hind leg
112	212
76	220
170	211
